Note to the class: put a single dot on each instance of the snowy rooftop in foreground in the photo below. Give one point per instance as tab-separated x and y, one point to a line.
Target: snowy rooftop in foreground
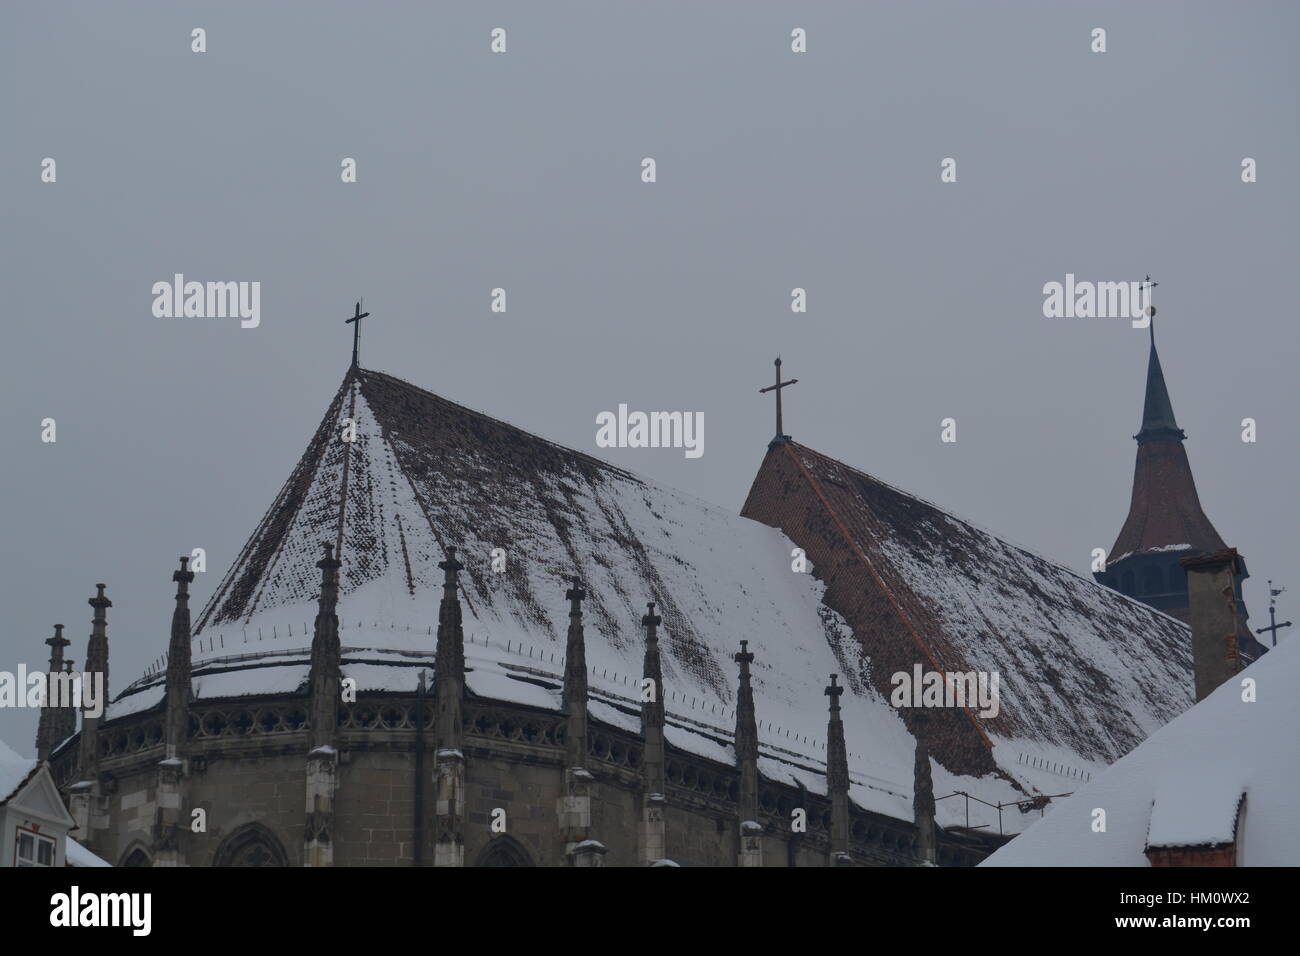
1182	786
425	473
78	855
14	771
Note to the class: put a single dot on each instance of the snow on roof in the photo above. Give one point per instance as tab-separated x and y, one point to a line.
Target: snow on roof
277	679
424	473
1181	787
1195	809
136	699
1085	673
78	855
14	771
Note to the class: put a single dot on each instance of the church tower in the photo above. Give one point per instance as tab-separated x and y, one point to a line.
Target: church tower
1165	522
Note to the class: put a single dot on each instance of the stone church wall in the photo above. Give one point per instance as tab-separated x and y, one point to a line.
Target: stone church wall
250	778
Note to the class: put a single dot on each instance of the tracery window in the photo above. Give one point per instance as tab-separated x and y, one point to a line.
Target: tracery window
251	845
504	851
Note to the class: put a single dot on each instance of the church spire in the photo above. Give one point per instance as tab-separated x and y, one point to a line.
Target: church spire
1165	521
1157	410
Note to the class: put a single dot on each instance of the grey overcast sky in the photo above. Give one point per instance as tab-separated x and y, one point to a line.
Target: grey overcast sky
522	170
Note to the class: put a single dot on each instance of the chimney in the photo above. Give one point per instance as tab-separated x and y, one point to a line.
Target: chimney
1214	617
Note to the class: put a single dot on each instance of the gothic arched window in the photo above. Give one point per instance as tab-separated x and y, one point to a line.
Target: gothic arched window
251	845
504	851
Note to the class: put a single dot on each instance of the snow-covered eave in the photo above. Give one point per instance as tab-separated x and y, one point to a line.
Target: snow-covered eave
1188	846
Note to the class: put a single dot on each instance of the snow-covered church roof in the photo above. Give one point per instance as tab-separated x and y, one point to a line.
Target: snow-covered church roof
423	473
1225	772
1082	669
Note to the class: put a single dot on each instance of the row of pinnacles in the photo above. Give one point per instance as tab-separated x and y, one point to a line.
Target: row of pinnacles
89	804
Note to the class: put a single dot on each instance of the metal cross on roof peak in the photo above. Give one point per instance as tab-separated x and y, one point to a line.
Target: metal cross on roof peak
777	388
355	322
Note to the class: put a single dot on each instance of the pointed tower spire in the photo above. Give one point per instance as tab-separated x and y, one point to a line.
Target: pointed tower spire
176	728
837	777
449	699
325	679
751	849
56	704
1158	423
653	834
1165	521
